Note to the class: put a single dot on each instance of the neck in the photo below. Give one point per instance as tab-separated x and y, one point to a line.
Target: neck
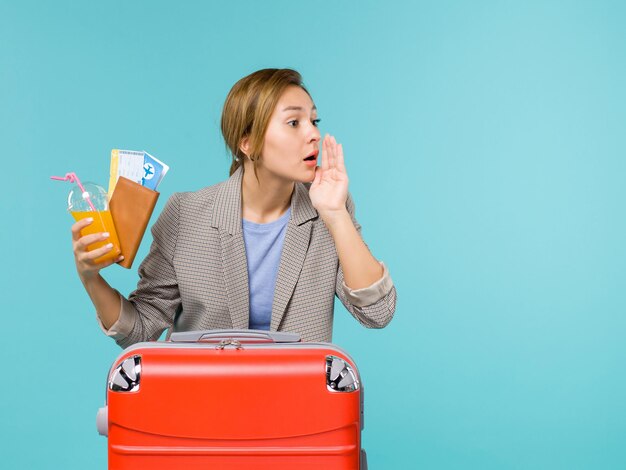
266	199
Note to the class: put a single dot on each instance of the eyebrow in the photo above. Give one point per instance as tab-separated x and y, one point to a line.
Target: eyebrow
298	108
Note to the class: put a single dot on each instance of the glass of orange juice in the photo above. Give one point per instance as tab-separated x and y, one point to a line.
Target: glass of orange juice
81	204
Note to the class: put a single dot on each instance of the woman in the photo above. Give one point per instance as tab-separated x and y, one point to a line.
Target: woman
268	249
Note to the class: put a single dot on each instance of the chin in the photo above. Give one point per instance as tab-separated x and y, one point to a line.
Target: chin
308	178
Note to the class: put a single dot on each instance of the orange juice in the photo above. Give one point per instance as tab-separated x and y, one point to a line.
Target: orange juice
102	222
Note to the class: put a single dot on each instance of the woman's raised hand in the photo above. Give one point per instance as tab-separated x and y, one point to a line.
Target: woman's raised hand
85	264
329	189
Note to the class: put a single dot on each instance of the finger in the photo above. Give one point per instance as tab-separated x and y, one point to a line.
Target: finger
98	252
325	156
340	162
328	155
318	177
331	152
84	242
335	153
78	226
110	262
105	264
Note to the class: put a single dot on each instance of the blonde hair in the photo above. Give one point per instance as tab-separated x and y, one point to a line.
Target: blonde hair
248	109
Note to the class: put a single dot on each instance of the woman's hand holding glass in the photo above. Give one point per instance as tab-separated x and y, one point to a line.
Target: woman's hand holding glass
85	260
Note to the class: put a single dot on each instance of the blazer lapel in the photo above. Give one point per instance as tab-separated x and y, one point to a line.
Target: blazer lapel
294	251
236	279
227	219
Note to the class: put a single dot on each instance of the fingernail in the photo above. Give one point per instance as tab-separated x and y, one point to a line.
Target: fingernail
105	235
121	258
89	219
109	245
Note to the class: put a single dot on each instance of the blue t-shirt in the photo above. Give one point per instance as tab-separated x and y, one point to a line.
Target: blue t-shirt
264	244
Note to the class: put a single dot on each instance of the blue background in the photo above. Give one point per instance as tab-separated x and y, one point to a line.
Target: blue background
486	153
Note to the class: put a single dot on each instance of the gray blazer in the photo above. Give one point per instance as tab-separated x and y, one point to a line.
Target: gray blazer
195	276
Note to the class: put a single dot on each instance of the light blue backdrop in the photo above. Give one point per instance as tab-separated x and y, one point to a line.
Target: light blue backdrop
486	153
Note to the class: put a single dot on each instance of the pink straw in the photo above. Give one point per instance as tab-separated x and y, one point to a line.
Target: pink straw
72	178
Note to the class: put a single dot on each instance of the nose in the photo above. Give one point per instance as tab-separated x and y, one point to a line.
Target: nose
314	134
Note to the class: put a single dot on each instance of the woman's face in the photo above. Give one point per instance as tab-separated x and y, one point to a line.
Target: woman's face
292	136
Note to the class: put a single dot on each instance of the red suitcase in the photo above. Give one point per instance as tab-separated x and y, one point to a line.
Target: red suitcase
233	399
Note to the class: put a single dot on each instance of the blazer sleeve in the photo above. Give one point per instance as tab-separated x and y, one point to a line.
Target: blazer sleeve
152	307
372	306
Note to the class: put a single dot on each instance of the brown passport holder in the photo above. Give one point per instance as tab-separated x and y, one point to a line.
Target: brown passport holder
131	208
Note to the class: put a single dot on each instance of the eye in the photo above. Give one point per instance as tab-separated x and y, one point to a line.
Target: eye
295	122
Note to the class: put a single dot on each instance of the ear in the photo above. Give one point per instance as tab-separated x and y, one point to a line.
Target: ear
244	146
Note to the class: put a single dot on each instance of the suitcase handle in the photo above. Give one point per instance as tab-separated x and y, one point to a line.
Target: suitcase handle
243	336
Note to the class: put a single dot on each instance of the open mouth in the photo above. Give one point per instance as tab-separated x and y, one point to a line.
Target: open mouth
312	157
